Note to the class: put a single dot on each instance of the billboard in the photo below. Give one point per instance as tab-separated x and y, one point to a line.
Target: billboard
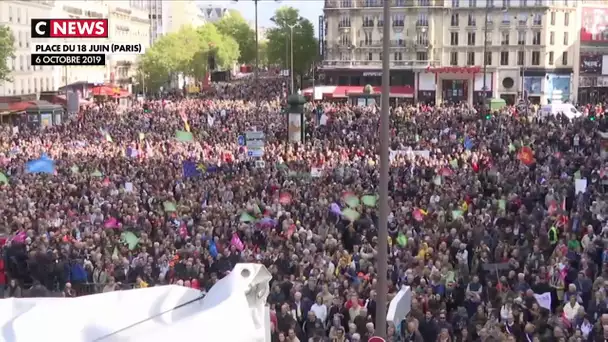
594	25
591	63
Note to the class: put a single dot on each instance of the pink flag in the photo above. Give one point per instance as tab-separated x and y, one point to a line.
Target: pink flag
183	231
20	237
111	223
237	243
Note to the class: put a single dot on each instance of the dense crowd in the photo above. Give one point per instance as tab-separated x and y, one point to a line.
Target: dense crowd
497	224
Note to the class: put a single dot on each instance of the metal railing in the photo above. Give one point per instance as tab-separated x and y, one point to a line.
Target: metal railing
359	4
367	64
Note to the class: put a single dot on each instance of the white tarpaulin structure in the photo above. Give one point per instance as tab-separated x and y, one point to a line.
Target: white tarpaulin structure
152	314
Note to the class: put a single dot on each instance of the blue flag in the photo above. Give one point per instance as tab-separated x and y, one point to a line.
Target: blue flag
41	165
212	248
468	143
190	169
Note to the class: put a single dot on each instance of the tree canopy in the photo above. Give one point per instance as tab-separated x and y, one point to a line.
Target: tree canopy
304	41
235	26
7	50
186	52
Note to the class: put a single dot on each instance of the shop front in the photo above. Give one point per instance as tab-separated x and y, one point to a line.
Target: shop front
533	88
359	77
461	84
426	88
592	86
558	88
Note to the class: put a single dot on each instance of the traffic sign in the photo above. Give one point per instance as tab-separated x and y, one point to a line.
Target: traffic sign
255	143
241	140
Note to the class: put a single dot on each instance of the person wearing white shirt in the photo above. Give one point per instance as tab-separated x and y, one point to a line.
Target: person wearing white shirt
571	309
319	309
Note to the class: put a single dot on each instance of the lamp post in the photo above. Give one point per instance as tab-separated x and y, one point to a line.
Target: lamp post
256	75
485	58
291	55
382	260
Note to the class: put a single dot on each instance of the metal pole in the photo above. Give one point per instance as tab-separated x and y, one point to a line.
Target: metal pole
485	57
291	57
382	260
257	62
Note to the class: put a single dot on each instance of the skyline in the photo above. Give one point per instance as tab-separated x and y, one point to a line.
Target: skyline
309	9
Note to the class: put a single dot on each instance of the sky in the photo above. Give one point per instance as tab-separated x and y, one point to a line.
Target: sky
309	9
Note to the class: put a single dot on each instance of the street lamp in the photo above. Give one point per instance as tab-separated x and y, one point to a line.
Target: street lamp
382	266
485	55
290	62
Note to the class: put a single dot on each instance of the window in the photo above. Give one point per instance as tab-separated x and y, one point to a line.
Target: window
380	56
422	38
504	40
424	3
380	21
345	40
520	58
471	38
367	39
472	3
14	63
454	58
454	21
10	14
566	38
369	56
423	19
19	38
398	20
455	3
521	38
535	57
506	3
454	38
344	22
35	85
552	38
347	3
488	58
565	58
471	58
551	57
552	18
21	63
368	21
422	56
399	3
506	19
536	38
398	56
522	19
504	58
566	19
538	19
471	21
18	14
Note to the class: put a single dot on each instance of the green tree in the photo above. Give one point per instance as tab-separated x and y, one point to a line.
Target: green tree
7	50
264	53
304	41
186	52
235	26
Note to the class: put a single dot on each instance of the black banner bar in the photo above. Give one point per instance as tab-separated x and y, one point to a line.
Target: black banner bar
68	59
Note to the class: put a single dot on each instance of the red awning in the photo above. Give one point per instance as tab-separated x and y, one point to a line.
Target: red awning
395	91
19	106
107	90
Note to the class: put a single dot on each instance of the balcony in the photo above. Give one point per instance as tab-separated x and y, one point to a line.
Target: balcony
371	3
370	44
422	23
344	4
406	64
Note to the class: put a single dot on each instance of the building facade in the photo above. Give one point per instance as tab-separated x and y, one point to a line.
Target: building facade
170	16
592	63
26	78
438	49
129	25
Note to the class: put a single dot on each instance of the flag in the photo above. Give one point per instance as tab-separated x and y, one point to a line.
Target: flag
184	117
190	169
106	135
468	143
40	165
184	136
3	178
526	155
237	243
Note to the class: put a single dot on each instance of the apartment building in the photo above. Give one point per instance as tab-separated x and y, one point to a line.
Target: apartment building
437	47
592	62
170	16
129	25
26	78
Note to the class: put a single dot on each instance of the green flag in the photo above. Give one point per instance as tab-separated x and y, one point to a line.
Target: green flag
456	214
97	173
3	178
169	206
454	163
402	240
511	147
130	239
184	136
245	217
369	200
502	204
350	214
352	201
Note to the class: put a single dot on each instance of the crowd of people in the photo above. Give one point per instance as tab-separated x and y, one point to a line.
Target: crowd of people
496	223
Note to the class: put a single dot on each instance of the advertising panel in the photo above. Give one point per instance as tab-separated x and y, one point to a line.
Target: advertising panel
533	85
594	25
591	63
558	87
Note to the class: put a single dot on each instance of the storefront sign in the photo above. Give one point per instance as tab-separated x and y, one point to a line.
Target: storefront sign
558	87
591	63
587	81
594	25
454	70
371	74
602	81
533	85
